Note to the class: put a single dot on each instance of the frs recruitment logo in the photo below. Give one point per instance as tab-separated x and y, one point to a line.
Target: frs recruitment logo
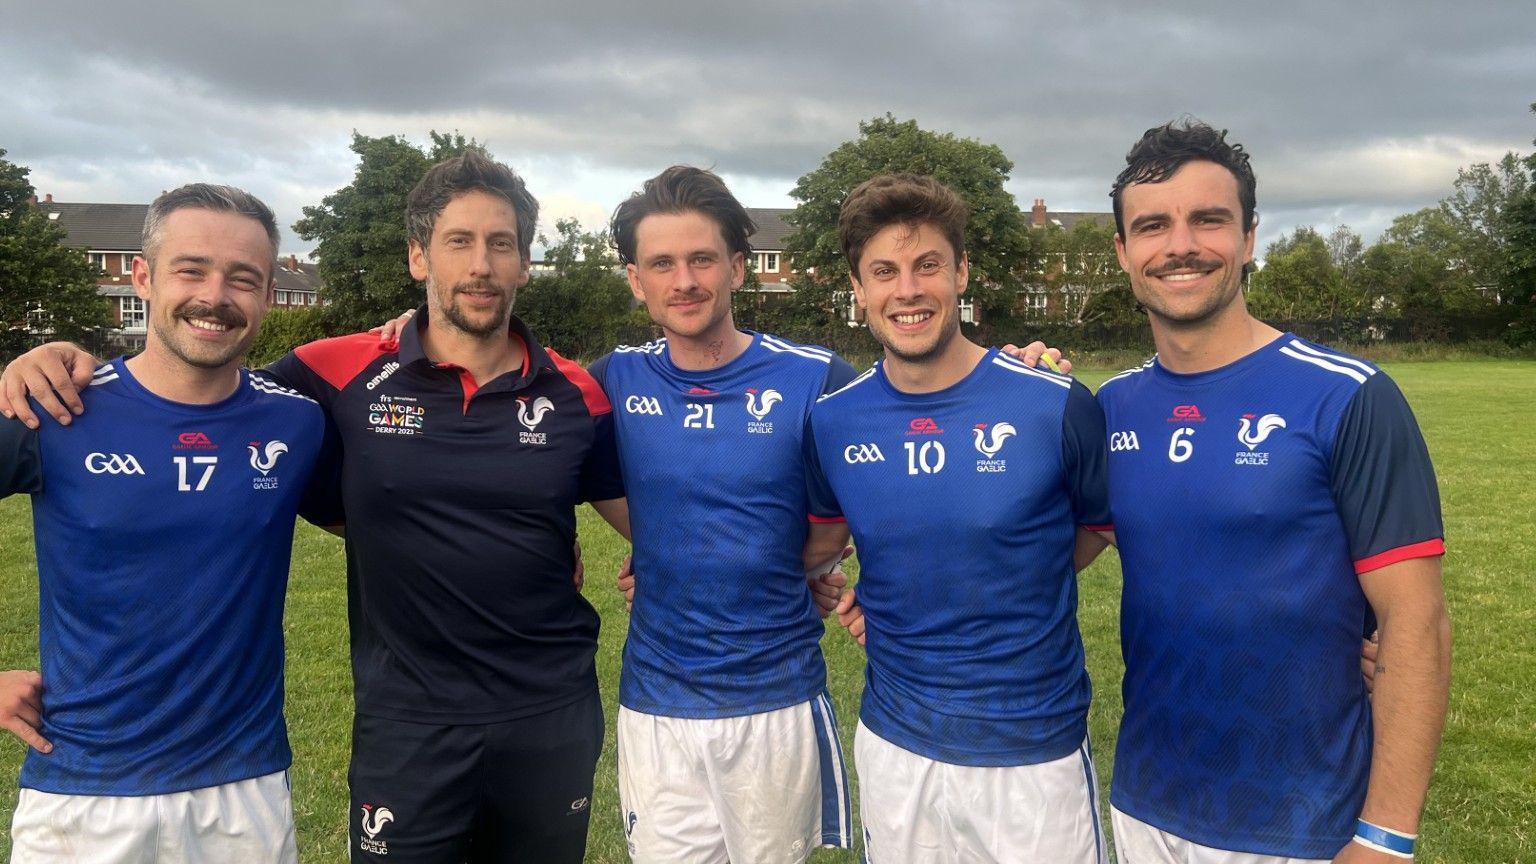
988	443
1186	414
264	459
1251	435
531	415
923	426
194	441
373	821
759	408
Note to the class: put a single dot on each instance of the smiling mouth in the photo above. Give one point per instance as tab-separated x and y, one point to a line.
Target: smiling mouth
909	319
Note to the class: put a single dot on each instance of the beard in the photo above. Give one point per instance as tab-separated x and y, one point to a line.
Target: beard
948	330
481	323
1197	310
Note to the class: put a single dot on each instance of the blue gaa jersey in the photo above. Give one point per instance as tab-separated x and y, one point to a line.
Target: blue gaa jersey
965	506
1246	500
163	536
713	462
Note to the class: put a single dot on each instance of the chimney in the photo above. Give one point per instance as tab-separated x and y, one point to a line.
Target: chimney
293	263
49	199
1037	213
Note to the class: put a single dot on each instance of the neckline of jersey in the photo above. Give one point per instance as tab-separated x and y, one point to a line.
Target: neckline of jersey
242	394
730	366
933	395
1238	366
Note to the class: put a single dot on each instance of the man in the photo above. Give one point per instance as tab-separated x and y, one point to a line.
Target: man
727	740
966	478
1271	496
466	448
160	632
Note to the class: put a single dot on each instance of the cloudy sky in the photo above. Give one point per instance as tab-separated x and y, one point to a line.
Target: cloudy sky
1354	112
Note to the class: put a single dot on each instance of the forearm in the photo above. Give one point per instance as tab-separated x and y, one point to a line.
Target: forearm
824	544
1089	545
1413	680
615	512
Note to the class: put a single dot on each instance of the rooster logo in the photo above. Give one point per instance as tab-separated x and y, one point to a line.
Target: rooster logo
988	445
531	419
760	409
375	820
1252	437
263	460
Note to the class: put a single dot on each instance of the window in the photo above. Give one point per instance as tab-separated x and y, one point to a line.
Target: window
768	262
98	261
967	311
127	263
280	298
38	320
310	298
132	310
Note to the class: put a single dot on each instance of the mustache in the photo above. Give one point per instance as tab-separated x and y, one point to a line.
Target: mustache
1188	262
478	285
229	316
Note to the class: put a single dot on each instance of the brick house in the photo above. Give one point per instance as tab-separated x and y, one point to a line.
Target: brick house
109	235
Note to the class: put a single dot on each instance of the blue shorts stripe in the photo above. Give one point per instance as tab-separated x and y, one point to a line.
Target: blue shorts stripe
1086	752
835	808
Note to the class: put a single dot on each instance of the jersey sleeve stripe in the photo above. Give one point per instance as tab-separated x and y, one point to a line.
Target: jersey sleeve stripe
1425	549
261	385
591	392
1324	364
795	349
1336	358
825	520
1015	366
813	349
1109	527
863	376
102	379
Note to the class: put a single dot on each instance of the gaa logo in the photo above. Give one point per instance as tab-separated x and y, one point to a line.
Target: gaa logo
643	405
112	463
854	454
1122	441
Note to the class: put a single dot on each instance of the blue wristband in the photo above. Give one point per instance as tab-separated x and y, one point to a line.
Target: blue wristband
1384	839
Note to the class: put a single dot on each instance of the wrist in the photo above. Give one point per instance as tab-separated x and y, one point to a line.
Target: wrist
1389	841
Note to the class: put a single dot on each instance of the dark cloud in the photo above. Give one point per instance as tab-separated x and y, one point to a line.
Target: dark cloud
1349	109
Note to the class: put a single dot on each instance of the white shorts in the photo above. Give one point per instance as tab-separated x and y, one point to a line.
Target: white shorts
246	821
1136	842
763	788
920	811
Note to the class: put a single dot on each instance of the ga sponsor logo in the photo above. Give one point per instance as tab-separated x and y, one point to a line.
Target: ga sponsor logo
578	806
1251	435
194	441
923	426
113	463
988	443
643	405
855	454
264	459
397	415
373	821
759	408
1186	414
1120	442
700	391
531	414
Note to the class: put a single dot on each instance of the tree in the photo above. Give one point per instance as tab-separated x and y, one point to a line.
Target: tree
1517	281
284	330
361	231
1081	264
583	308
46	289
1303	280
997	238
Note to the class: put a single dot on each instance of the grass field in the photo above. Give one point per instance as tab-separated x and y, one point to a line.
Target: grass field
1479	418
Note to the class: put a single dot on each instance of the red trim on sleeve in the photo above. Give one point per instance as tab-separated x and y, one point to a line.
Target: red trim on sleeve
591	392
1109	527
1426	549
825	520
343	358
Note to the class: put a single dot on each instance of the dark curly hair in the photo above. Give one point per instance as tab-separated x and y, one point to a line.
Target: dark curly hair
1163	150
682	189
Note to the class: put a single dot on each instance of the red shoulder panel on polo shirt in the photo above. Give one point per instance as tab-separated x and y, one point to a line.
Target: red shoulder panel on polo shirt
340	359
591	392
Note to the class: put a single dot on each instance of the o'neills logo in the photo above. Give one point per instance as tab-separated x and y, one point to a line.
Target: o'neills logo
388	370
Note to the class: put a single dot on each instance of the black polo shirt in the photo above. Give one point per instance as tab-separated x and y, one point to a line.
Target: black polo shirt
460	508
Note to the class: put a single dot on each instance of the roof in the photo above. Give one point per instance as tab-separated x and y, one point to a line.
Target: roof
772	231
102	227
1069	218
306	276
